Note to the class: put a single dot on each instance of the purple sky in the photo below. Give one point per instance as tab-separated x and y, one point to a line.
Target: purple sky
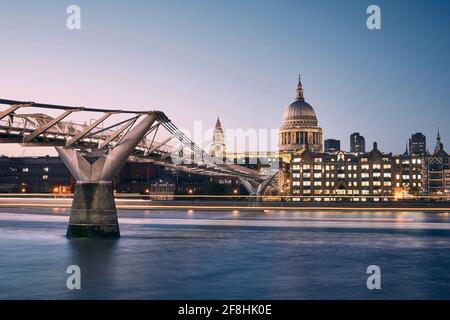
198	59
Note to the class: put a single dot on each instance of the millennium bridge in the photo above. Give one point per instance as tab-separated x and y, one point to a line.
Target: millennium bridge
95	151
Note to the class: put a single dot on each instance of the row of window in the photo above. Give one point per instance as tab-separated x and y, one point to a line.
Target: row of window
397	161
45	169
340	192
334	199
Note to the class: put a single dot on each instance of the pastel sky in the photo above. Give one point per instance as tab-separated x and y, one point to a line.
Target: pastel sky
199	59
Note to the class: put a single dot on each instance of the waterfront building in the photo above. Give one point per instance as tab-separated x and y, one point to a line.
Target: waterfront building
357	143
372	176
408	174
438	167
332	145
8	175
44	174
418	144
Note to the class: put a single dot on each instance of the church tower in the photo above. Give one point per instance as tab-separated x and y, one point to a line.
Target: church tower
218	148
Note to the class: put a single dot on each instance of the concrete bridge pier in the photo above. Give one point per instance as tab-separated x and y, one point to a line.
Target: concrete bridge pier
93	213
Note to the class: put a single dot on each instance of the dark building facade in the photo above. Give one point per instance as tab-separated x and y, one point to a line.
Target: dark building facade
8	175
418	144
35	175
332	145
357	143
50	175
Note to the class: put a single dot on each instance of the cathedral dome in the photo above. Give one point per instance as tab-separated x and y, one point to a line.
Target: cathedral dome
300	126
299	109
299	113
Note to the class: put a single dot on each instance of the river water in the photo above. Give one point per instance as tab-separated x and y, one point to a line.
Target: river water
228	255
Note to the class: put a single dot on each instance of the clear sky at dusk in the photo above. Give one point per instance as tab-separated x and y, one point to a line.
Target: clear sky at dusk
199	59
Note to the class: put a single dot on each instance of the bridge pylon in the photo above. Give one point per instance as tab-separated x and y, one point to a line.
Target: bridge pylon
93	213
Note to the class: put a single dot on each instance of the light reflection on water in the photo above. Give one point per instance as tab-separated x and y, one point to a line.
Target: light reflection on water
194	255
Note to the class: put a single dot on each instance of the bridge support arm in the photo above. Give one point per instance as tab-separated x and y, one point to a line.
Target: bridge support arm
93	212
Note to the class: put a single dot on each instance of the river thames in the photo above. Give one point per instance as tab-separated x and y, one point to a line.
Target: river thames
185	254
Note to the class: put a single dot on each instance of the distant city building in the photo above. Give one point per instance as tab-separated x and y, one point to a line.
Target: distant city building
35	175
50	175
373	176
418	144
218	147
332	145
300	126
357	143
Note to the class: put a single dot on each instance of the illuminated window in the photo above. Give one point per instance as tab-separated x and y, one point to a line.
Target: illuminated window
306	167
317	175
365	167
25	170
376	166
45	177
306	183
